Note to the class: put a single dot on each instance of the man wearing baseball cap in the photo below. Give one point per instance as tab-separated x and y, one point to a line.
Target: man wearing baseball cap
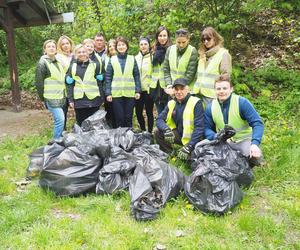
181	122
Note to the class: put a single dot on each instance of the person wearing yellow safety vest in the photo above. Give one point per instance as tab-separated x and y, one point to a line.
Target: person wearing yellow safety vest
111	51
65	47
181	122
181	60
123	85
89	45
144	62
237	112
50	84
214	60
158	86
84	83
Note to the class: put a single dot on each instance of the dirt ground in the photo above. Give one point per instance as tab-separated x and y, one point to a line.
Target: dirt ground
28	121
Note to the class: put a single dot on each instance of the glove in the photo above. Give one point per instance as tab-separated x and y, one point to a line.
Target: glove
69	80
225	133
99	77
184	152
169	136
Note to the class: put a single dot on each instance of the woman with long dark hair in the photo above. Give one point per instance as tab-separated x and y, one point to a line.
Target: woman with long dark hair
158	86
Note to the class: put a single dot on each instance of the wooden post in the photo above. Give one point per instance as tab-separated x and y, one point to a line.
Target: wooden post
12	59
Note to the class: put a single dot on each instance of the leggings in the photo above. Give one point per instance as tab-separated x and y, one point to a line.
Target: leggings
147	102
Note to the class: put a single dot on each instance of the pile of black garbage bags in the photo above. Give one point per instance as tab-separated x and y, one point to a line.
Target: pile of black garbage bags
97	159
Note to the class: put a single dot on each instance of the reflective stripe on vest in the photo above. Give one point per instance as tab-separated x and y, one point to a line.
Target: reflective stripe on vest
188	118
205	83
54	85
106	62
123	84
158	75
88	85
179	71
243	130
145	68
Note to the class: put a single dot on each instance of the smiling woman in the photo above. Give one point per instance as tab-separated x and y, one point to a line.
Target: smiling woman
50	84
214	61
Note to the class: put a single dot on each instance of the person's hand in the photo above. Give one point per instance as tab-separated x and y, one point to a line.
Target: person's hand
71	105
137	96
184	152
169	136
109	98
225	133
99	77
69	80
255	151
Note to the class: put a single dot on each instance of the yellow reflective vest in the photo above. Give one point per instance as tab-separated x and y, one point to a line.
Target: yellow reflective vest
54	85
100	61
158	75
243	130
206	76
145	68
188	118
123	84
178	70
88	85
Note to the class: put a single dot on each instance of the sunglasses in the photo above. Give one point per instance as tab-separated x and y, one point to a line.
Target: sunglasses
203	39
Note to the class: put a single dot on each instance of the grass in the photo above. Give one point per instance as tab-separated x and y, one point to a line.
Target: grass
267	218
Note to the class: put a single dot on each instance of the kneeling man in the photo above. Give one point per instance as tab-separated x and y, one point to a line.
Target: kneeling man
236	111
181	122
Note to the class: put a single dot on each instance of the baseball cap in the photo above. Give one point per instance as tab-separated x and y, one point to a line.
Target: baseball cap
180	81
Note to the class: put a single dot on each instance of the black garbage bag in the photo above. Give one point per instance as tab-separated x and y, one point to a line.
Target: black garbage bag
69	171
211	193
219	171
117	169
143	138
89	143
96	121
153	183
36	163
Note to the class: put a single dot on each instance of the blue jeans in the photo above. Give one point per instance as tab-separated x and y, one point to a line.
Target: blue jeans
59	120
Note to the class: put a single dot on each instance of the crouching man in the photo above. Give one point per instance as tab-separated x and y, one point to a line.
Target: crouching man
237	112
181	122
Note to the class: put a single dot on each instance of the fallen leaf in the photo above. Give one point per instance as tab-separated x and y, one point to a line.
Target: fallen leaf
160	247
179	233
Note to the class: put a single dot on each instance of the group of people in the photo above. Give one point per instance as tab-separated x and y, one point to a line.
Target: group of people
191	89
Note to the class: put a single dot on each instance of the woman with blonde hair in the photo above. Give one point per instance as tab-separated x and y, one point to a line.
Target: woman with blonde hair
84	85
214	61
65	47
50	84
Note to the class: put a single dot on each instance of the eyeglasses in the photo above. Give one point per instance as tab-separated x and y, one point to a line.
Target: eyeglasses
203	39
182	32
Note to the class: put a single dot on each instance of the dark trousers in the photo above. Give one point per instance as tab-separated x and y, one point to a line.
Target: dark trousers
123	111
110	114
160	140
65	109
83	113
147	102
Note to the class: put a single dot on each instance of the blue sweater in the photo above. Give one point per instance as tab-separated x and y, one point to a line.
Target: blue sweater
177	116
110	74
247	112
